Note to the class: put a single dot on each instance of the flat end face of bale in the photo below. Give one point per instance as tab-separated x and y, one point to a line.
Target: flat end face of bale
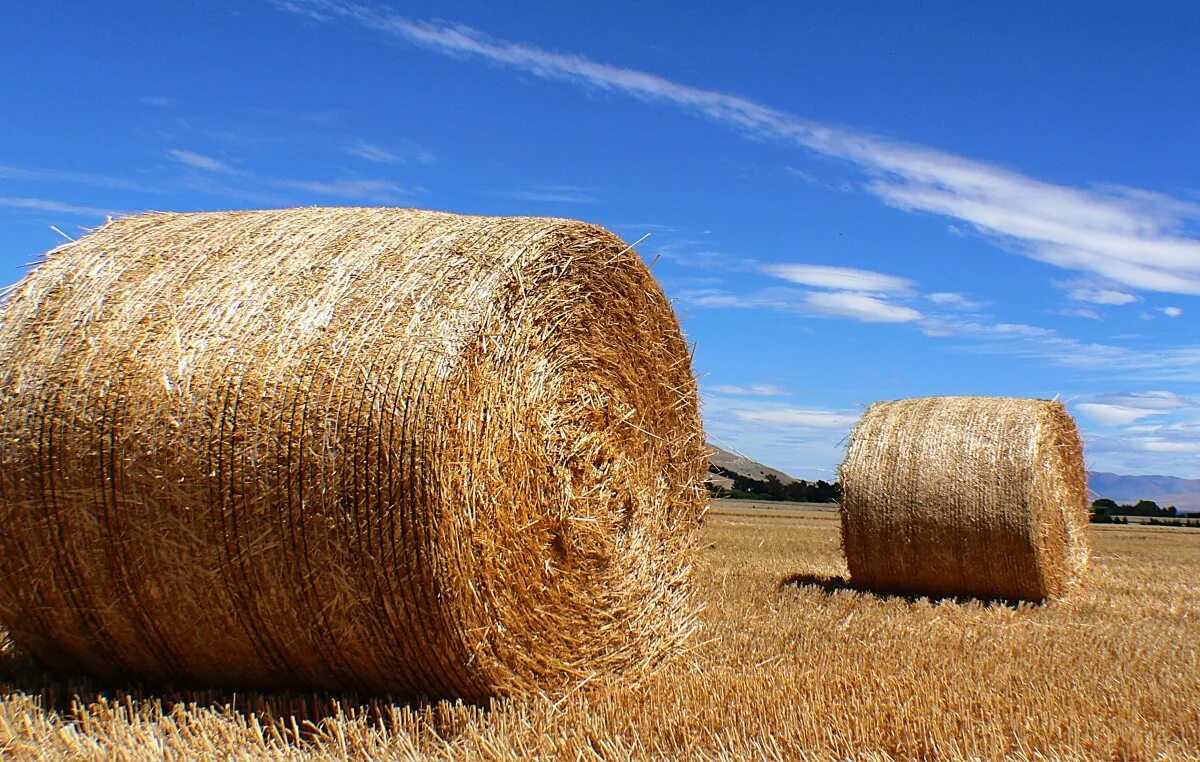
965	496
381	450
587	391
1059	502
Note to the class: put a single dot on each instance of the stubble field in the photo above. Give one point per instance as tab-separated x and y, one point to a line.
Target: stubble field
790	664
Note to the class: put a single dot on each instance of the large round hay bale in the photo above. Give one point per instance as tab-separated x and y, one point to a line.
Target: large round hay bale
965	496
382	450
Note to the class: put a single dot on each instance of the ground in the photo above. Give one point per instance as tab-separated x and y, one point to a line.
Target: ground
790	664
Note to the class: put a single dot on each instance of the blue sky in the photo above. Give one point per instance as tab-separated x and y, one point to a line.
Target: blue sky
847	202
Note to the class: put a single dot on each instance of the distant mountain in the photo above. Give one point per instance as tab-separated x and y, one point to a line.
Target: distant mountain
740	464
1164	490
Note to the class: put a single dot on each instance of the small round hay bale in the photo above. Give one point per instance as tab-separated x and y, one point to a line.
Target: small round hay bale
965	496
382	450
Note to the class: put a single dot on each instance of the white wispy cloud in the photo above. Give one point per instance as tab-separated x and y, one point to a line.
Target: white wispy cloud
862	295
246	188
804	440
1047	344
1101	296
844	304
647	227
1149	400
862	307
380	155
200	161
568	194
373	190
800	418
840	186
48	205
839	278
372	152
696	254
1112	415
1145	430
9	172
1156	444
982	335
1172	311
1081	312
1128	236
1147	448
954	300
751	390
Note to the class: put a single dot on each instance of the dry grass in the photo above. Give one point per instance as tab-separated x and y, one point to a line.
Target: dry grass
791	664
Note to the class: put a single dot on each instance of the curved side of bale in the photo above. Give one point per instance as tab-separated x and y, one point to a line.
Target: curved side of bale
381	450
965	496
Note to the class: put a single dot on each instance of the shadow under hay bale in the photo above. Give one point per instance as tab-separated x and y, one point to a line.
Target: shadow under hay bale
831	585
376	450
291	718
965	496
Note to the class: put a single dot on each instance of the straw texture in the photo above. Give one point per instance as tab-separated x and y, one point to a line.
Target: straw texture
383	450
965	496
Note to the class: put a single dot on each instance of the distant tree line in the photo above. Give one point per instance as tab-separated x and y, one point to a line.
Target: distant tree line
1105	511
770	488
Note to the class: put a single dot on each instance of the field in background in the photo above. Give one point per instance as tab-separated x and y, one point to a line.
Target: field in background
790	664
777	508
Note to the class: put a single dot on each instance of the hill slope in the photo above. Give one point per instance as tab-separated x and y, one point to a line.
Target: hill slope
1164	490
740	464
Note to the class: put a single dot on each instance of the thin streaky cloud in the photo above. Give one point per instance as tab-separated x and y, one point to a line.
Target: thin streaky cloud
1101	296
840	186
372	152
839	278
647	227
380	155
1015	339
1150	400
1113	415
566	194
861	307
954	300
374	190
60	207
247	190
751	390
854	305
1040	343
9	172
1129	236
200	161
1125	408
802	418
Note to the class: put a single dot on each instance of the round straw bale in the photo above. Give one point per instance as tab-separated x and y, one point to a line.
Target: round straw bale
965	496
383	450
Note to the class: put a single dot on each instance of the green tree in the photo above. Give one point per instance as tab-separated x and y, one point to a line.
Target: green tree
1147	508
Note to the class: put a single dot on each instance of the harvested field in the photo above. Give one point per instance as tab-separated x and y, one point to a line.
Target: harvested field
791	664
